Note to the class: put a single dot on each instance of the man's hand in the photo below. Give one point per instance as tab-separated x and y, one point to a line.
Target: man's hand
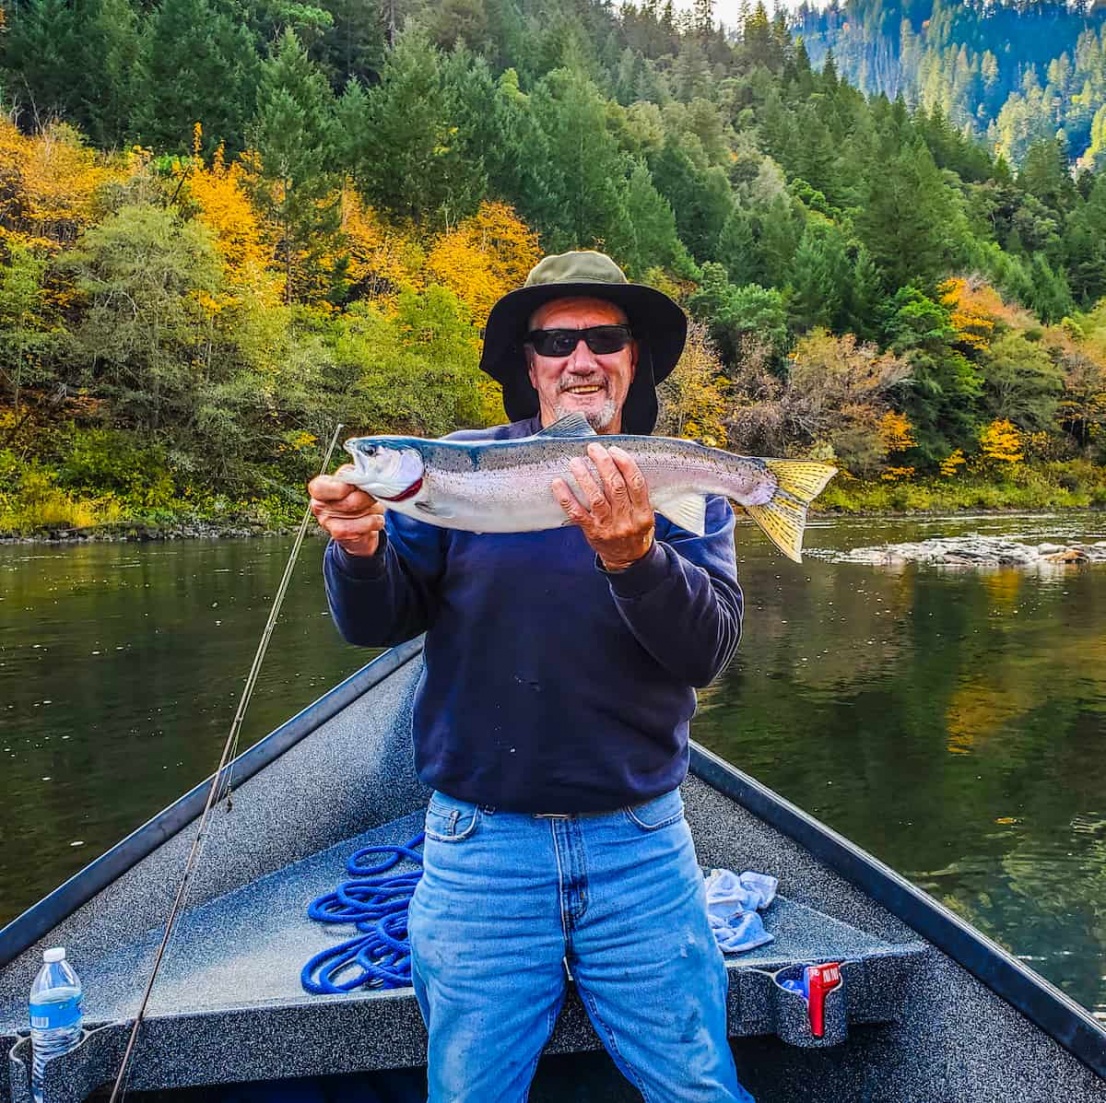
617	517
353	518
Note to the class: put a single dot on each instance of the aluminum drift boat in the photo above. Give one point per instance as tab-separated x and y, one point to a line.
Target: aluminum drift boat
929	1009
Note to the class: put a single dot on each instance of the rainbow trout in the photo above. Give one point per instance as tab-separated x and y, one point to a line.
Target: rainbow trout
504	485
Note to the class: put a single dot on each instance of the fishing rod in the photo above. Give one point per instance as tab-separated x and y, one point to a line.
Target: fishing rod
212	795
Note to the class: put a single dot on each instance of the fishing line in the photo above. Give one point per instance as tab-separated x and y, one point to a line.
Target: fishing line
212	795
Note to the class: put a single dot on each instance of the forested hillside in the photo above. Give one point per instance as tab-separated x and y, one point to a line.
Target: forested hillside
1013	73
226	226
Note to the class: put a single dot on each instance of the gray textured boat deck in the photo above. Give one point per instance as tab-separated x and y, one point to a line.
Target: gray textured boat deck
247	948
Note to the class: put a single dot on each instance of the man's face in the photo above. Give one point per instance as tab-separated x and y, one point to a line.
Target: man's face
595	385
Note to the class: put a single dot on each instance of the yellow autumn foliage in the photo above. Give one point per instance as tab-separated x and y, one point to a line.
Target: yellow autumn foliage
894	474
383	260
484	257
896	434
693	398
1001	442
974	308
952	463
219	192
48	182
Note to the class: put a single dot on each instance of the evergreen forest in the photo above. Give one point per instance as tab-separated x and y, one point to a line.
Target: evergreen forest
228	225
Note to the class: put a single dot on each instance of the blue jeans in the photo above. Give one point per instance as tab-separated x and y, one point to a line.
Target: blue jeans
509	899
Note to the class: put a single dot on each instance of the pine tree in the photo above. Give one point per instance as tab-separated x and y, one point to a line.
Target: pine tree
1085	245
583	171
353	46
198	64
905	224
42	57
655	241
700	198
406	151
292	134
819	277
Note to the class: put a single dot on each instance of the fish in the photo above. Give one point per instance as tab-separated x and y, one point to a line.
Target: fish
491	486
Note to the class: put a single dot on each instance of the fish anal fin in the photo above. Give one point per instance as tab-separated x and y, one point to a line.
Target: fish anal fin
571	425
689	511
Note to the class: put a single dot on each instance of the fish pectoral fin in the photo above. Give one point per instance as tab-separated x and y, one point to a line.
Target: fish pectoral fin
571	425
433	509
689	511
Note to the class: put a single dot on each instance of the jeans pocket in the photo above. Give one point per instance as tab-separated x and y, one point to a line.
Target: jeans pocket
659	812
449	820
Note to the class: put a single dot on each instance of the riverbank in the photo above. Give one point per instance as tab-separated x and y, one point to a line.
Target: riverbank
139	533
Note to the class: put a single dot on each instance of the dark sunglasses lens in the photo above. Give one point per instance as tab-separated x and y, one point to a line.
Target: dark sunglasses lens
604	339
556	342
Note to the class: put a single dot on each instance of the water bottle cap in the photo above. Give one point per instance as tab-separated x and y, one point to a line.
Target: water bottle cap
55	954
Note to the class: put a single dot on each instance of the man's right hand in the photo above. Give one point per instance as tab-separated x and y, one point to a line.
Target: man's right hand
353	518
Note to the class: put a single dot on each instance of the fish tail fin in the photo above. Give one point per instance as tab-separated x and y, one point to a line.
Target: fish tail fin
783	517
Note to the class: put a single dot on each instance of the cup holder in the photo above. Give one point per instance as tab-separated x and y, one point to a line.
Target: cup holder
818	1021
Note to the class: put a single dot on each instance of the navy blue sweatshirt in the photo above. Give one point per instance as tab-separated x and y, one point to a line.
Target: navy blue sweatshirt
550	685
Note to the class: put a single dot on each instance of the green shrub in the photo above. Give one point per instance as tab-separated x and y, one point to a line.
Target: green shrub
117	462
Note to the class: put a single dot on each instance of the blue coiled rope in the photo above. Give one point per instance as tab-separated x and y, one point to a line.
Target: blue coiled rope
376	902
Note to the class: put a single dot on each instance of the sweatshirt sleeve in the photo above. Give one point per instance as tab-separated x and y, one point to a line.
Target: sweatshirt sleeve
392	596
682	600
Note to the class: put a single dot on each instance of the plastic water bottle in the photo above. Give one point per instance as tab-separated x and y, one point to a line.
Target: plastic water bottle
56	1016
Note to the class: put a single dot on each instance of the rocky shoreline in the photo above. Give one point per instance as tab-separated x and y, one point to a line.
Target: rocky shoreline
970	551
140	533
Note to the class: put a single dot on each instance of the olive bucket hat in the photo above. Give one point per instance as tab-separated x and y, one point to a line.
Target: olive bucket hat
657	323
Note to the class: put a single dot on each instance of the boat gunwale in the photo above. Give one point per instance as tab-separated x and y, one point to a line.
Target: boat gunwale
1044	1005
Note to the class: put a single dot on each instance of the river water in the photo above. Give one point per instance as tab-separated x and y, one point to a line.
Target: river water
951	722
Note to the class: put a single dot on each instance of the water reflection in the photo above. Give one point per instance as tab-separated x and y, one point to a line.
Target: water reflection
951	722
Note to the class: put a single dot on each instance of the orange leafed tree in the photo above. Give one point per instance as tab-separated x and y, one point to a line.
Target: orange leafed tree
974	307
383	260
895	432
1001	442
47	185
224	206
486	256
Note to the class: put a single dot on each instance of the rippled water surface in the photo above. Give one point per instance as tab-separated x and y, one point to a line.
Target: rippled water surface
952	722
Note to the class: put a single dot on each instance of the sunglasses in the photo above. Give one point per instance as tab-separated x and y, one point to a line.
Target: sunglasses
563	342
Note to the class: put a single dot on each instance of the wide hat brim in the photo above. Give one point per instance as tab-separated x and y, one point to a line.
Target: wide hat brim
658	324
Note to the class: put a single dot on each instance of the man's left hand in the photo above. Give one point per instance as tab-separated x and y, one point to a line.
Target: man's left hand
616	514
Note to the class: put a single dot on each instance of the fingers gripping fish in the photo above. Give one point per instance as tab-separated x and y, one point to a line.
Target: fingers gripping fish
504	485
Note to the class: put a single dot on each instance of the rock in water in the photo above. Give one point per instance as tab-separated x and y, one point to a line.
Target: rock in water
970	551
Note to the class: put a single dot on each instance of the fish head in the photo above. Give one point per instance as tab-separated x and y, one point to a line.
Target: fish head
388	468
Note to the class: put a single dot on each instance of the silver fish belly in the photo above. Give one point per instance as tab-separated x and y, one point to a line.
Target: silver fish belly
502	486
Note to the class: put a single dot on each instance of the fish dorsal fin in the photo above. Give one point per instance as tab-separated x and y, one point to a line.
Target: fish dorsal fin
689	511
571	425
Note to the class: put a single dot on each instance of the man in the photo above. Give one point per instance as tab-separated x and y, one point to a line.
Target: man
551	720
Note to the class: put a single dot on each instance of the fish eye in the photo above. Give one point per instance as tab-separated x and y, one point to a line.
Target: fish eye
371	449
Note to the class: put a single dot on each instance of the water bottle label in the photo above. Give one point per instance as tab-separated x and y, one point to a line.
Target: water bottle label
52	1014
